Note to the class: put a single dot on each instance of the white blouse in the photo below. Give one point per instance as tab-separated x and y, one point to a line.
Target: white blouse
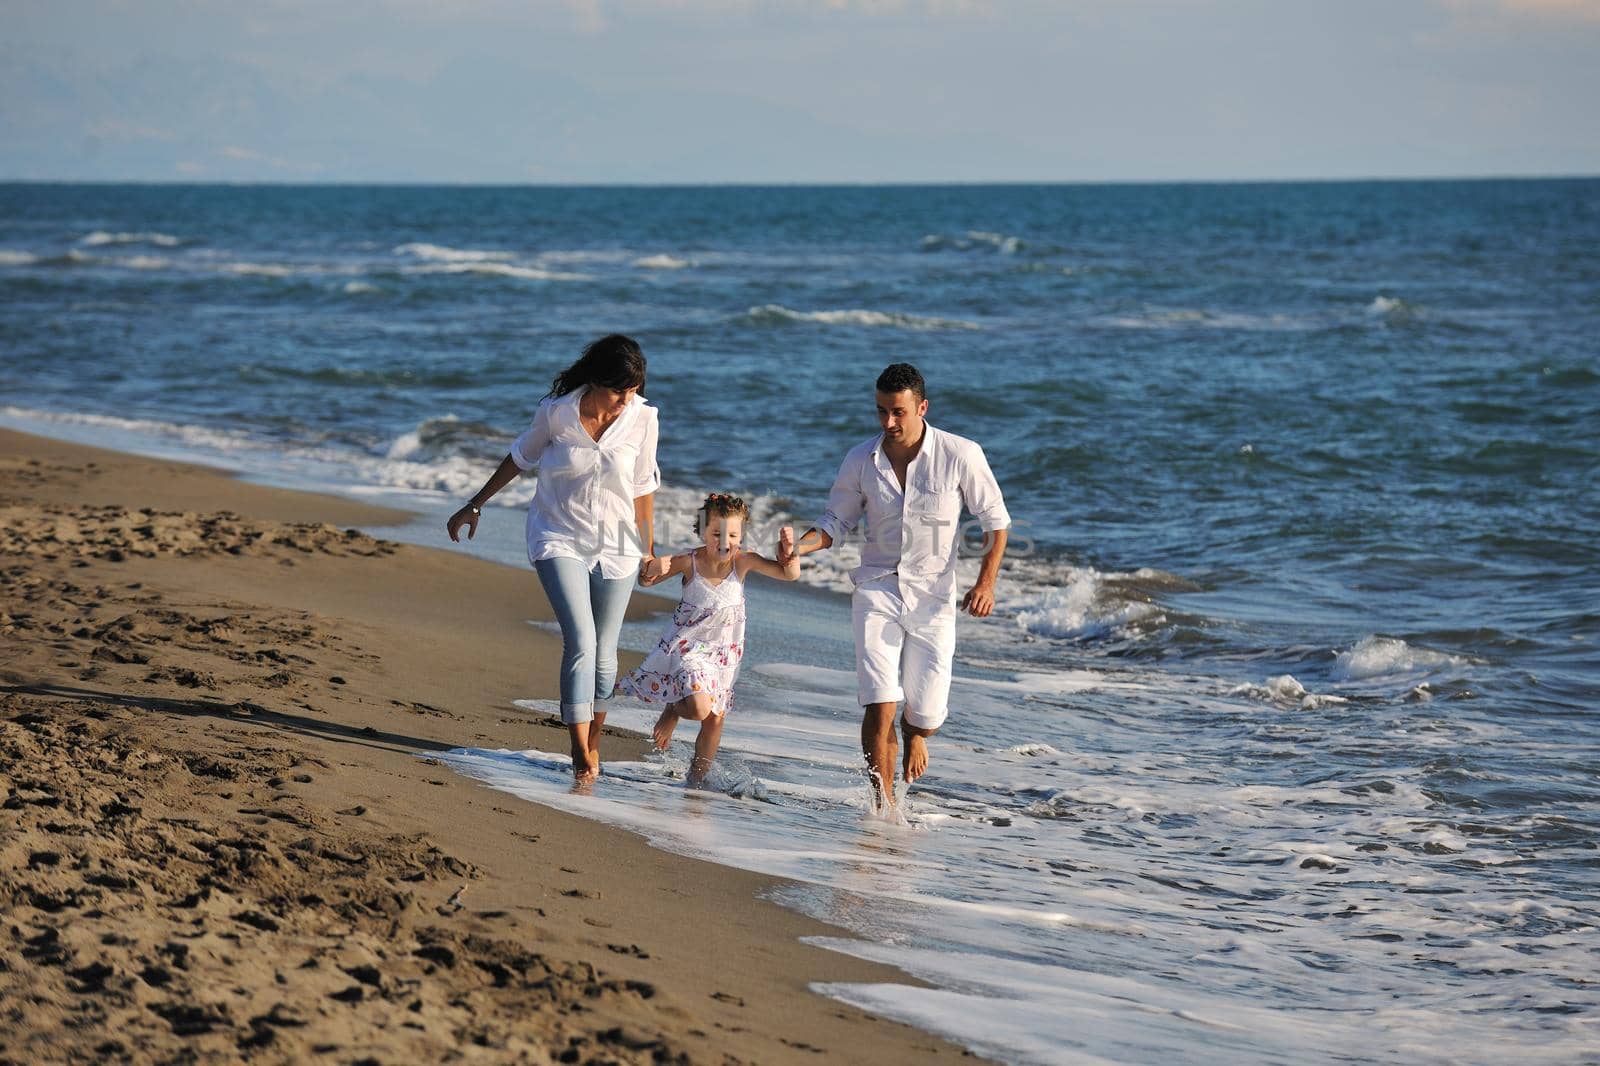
583	505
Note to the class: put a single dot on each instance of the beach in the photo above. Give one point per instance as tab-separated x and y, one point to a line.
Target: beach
223	834
1281	736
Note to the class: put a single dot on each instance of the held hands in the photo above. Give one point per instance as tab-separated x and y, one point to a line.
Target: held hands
653	568
467	516
788	554
979	600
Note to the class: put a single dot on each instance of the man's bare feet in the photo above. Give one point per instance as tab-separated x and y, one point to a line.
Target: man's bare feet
662	733
915	763
882	797
879	747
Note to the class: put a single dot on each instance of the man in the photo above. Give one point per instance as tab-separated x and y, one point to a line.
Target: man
910	483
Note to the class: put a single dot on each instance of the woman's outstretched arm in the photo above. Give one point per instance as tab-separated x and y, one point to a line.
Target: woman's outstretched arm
507	472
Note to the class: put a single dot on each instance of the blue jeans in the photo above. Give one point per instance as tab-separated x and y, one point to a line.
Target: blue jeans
589	608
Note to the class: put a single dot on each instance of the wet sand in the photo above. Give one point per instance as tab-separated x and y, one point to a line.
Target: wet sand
218	839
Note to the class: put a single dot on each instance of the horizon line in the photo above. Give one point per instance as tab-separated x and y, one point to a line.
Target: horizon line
832	183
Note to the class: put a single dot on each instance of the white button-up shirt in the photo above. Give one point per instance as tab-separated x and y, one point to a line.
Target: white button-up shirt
914	533
583	505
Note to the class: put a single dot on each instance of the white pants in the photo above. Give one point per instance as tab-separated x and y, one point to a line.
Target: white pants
903	653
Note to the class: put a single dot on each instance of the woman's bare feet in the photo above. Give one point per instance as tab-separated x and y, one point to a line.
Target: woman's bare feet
585	738
662	733
596	727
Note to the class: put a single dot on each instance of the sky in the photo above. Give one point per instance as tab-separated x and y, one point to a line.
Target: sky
713	91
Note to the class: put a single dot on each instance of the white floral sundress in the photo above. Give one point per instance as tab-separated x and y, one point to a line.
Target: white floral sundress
700	652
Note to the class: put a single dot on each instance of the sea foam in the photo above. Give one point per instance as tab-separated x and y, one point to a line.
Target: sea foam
1286	690
439	253
1082	607
101	237
1391	307
775	314
1186	318
145	262
973	240
498	269
1376	658
260	270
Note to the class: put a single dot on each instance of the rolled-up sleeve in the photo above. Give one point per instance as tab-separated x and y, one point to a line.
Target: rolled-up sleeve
981	493
646	474
532	442
845	501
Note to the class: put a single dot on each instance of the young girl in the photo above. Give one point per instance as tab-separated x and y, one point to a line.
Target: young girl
694	666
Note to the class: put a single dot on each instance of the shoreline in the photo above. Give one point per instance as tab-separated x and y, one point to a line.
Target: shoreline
271	683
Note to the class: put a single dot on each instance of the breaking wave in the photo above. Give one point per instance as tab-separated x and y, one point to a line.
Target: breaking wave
497	269
777	315
438	253
101	237
1385	658
973	240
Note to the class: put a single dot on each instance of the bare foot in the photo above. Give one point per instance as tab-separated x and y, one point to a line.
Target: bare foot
595	729
583	783
662	733
915	763
585	771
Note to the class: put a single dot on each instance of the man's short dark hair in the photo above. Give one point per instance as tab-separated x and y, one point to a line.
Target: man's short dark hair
898	377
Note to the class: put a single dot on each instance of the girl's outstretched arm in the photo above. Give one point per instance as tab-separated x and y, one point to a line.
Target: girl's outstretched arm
760	564
661	567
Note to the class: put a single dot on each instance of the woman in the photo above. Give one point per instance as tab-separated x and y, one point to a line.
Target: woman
591	522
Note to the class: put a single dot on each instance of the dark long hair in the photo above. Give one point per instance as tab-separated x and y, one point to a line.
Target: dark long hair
612	362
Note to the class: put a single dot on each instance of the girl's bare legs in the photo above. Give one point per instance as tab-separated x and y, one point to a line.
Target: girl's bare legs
662	732
705	749
695	709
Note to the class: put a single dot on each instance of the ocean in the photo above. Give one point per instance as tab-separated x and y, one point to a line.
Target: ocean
1283	743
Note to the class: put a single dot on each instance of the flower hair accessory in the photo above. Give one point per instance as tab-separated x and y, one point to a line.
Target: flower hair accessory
722	504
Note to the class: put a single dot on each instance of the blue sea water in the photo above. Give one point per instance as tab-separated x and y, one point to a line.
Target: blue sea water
1284	742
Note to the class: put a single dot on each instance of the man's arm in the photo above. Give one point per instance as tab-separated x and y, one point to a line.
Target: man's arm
979	600
814	540
981	493
846	502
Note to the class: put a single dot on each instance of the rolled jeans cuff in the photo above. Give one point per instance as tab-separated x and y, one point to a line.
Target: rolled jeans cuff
576	713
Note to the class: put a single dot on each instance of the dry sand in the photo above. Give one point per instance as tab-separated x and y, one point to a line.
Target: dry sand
218	841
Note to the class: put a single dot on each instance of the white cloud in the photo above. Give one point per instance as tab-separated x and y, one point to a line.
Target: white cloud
1581	11
249	155
116	129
